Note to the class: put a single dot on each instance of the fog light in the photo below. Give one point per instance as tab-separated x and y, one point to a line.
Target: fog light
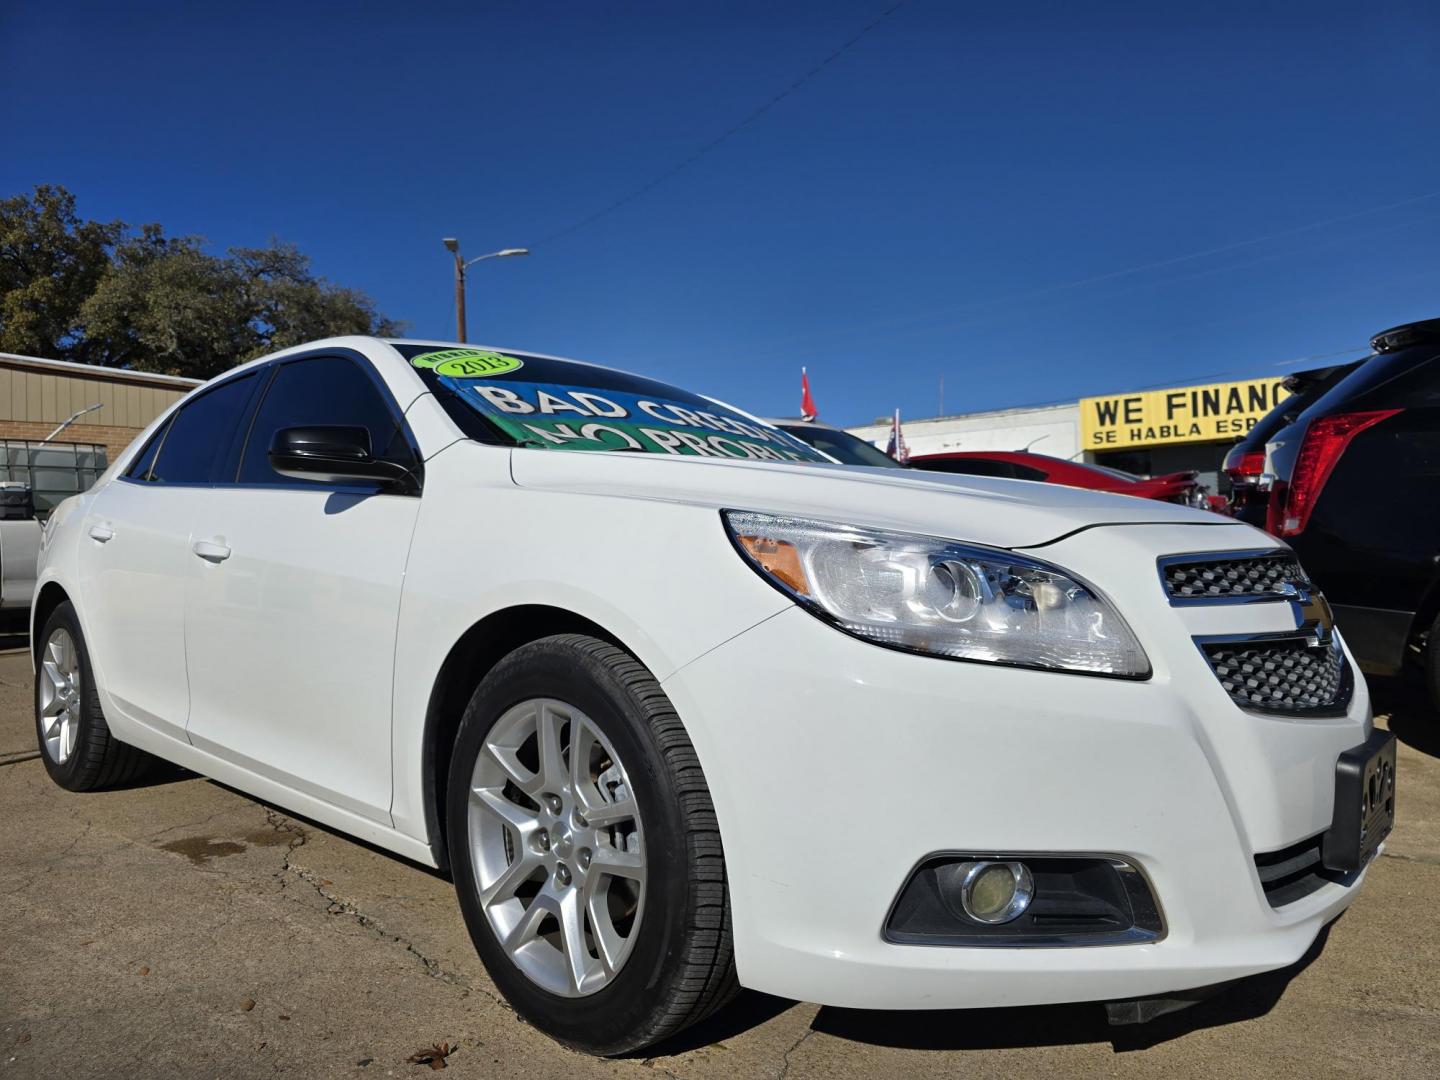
995	892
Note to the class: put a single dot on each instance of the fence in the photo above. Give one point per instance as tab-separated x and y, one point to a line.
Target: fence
54	471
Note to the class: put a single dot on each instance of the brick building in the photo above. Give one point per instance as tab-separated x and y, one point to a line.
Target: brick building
38	395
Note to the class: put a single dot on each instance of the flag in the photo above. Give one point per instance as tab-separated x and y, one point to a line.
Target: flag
897	448
807	403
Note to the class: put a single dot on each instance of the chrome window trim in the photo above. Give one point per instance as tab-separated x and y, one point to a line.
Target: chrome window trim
1166	561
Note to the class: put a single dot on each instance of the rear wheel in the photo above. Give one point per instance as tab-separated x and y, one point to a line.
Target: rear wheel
75	742
585	849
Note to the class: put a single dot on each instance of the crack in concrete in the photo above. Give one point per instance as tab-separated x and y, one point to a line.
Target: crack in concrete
16	759
785	1058
338	905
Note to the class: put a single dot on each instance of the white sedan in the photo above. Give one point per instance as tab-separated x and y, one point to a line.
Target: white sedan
684	706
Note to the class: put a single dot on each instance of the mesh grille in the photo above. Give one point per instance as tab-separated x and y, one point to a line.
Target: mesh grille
1249	575
1287	675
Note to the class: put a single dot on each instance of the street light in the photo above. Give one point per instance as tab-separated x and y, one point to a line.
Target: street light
73	418
452	245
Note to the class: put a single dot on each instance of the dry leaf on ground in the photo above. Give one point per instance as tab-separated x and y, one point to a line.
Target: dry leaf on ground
434	1056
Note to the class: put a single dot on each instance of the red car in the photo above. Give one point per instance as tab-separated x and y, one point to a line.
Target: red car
1178	487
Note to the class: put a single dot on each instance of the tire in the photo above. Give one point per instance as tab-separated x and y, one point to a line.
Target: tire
76	746
675	964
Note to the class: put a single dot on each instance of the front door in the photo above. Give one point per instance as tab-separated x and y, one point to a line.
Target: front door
291	619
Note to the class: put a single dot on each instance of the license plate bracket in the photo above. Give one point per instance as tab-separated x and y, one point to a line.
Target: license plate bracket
1364	803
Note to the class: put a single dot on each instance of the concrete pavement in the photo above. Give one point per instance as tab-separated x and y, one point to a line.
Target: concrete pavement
183	929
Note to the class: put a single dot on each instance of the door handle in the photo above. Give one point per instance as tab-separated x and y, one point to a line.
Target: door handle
211	550
101	533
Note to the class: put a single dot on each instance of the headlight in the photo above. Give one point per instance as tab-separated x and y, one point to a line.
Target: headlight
936	596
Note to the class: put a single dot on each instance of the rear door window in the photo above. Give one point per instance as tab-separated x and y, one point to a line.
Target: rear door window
200	434
967	466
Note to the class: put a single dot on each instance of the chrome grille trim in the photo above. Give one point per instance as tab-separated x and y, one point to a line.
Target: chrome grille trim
1294	673
1232	577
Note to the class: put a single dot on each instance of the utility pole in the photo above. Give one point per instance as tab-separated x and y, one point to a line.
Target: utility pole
459	298
452	245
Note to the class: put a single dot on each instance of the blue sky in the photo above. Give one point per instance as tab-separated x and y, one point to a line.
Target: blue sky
1019	198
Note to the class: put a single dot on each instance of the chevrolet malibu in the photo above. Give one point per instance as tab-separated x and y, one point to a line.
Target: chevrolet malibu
684	706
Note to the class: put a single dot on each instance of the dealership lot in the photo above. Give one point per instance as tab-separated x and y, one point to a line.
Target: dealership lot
186	930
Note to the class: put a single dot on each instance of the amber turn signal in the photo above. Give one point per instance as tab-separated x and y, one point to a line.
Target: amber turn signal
779	559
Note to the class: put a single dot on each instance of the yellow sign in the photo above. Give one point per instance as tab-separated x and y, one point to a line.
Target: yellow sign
1217	411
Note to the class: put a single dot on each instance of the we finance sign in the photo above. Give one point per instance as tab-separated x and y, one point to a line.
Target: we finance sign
1215	412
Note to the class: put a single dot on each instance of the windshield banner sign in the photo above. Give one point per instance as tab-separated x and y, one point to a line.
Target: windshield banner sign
570	418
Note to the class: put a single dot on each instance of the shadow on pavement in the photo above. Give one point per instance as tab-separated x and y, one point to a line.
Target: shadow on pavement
1412	717
1009	1028
14	629
311	823
749	1010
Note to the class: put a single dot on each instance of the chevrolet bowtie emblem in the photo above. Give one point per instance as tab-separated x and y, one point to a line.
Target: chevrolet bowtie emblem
1312	614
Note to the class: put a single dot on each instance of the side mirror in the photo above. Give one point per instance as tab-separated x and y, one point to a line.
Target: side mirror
335	455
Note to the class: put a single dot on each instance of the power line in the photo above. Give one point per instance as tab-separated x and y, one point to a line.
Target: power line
968	313
713	143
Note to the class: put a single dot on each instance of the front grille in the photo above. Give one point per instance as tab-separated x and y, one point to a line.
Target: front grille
1281	673
1295	872
1234	577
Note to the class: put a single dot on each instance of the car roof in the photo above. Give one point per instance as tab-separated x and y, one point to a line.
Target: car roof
1007	454
800	421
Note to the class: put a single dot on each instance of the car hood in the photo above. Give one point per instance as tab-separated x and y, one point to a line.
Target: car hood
998	513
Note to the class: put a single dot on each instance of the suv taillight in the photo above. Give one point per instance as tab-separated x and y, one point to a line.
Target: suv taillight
1325	440
1245	468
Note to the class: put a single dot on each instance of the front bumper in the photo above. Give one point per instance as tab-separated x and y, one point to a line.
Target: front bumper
836	766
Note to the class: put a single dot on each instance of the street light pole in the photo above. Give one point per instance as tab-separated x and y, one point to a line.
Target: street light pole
452	245
71	420
459	297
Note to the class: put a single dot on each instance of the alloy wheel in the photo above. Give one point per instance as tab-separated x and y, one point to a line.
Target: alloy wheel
558	850
60	697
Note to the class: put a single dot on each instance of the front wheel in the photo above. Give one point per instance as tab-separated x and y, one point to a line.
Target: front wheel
585	849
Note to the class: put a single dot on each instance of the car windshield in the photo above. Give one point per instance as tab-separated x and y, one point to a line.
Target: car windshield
551	404
842	446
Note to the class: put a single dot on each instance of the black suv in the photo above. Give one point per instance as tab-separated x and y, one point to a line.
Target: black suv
1245	462
1354	488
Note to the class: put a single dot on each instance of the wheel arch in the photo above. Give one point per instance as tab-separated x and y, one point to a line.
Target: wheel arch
469	660
51	595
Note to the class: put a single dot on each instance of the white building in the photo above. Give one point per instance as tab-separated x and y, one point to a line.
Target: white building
1147	432
1047	429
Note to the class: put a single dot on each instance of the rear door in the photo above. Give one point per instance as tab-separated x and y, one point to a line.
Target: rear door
290	624
135	558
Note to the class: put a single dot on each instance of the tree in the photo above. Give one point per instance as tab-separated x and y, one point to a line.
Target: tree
50	262
165	305
290	306
110	295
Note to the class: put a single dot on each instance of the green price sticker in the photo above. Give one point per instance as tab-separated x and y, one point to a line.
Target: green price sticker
468	363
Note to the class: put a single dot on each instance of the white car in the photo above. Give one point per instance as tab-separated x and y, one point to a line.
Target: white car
715	712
